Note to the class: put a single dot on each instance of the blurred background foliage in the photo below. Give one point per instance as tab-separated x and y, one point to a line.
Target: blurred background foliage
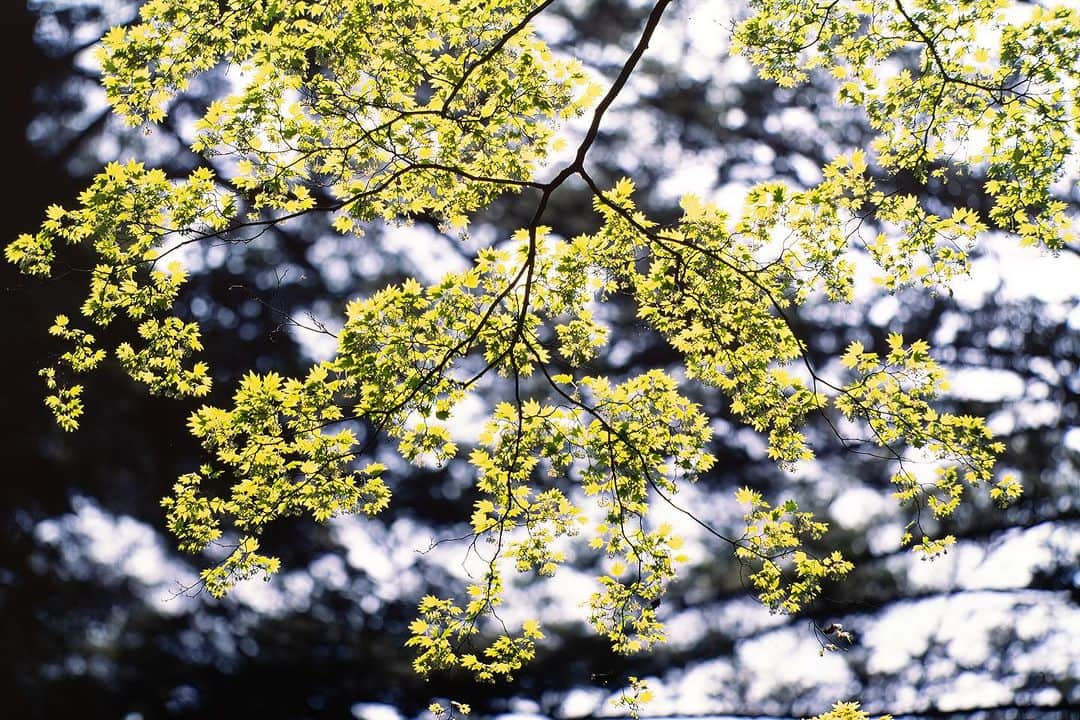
94	625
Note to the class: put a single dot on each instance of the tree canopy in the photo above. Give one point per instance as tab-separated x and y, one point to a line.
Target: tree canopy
444	111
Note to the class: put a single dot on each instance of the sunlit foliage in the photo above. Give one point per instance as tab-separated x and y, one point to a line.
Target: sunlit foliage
451	104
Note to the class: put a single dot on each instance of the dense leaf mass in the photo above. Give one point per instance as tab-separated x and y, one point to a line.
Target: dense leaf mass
445	112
